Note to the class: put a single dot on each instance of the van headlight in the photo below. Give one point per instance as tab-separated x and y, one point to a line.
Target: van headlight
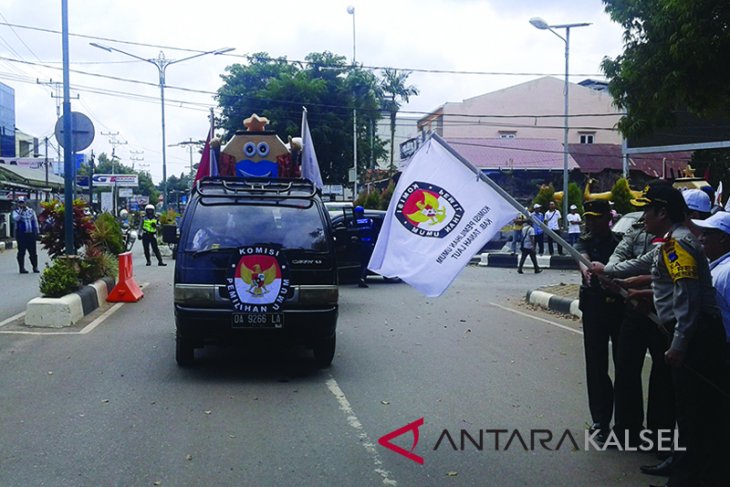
195	294
318	295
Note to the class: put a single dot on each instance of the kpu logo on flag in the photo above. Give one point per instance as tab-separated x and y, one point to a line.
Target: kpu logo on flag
428	210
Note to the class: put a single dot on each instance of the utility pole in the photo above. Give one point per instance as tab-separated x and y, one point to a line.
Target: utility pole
114	142
190	144
137	155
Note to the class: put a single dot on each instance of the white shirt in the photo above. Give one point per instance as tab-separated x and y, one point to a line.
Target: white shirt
720	270
551	219
574	221
528	233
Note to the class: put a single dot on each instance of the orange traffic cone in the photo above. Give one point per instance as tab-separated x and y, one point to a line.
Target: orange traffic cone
126	290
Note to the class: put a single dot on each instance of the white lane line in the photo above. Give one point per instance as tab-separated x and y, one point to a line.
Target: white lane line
362	435
90	327
572	330
12	318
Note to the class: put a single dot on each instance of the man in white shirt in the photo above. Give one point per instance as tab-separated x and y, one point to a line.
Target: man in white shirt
552	220
574	221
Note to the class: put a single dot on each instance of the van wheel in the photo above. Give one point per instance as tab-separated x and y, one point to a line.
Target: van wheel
324	352
184	350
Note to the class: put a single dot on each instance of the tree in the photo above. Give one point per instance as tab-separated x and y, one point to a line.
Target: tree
395	91
675	58
325	84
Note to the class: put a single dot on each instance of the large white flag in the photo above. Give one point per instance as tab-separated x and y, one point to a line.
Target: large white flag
440	215
310	165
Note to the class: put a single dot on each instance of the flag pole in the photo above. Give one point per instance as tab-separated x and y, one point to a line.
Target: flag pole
504	194
210	145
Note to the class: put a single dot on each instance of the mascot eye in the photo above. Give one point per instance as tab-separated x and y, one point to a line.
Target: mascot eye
263	149
249	149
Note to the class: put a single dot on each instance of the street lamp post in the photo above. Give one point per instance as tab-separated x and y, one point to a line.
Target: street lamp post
351	11
161	62
542	25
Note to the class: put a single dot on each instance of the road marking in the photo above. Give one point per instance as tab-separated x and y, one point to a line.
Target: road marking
572	330
362	435
90	327
85	330
12	318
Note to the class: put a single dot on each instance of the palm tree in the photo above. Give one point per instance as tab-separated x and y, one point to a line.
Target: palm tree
395	92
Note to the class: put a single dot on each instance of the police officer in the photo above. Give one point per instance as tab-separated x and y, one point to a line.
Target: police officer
602	311
366	238
686	305
26	234
637	334
149	235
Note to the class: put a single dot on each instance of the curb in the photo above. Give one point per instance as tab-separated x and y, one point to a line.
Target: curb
554	303
502	259
9	244
69	309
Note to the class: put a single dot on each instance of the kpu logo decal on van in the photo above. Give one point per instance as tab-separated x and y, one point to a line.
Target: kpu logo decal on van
260	279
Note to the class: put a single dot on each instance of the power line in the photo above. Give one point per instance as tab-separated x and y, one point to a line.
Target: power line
302	62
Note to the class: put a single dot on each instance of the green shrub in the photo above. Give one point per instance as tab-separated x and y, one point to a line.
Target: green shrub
386	195
545	195
96	264
60	278
168	218
373	199
621	195
107	234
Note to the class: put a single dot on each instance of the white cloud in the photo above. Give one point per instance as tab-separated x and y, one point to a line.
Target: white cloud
463	35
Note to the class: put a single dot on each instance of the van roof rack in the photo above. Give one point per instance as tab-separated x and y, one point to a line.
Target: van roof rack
218	186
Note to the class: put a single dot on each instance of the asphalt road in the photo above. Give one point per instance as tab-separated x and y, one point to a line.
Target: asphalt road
111	407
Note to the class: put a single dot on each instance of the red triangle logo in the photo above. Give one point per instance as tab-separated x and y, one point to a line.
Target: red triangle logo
412	427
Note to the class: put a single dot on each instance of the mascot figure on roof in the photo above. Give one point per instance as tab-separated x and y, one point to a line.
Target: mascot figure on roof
256	152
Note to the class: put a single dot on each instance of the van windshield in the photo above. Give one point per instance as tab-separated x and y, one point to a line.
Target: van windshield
216	226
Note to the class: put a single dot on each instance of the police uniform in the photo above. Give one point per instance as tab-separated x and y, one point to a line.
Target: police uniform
149	226
637	334
602	312
686	305
366	236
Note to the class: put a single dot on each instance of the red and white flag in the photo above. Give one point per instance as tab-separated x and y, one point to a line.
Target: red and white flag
441	214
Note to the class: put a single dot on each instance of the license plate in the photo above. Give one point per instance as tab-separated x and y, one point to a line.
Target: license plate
258	320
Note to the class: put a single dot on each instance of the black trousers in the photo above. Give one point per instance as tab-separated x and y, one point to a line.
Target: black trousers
148	240
27	243
699	399
523	257
601	323
550	245
637	335
540	242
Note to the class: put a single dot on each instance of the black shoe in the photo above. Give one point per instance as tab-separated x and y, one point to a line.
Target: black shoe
23	271
519	271
161	264
537	271
362	284
36	271
148	264
663	469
